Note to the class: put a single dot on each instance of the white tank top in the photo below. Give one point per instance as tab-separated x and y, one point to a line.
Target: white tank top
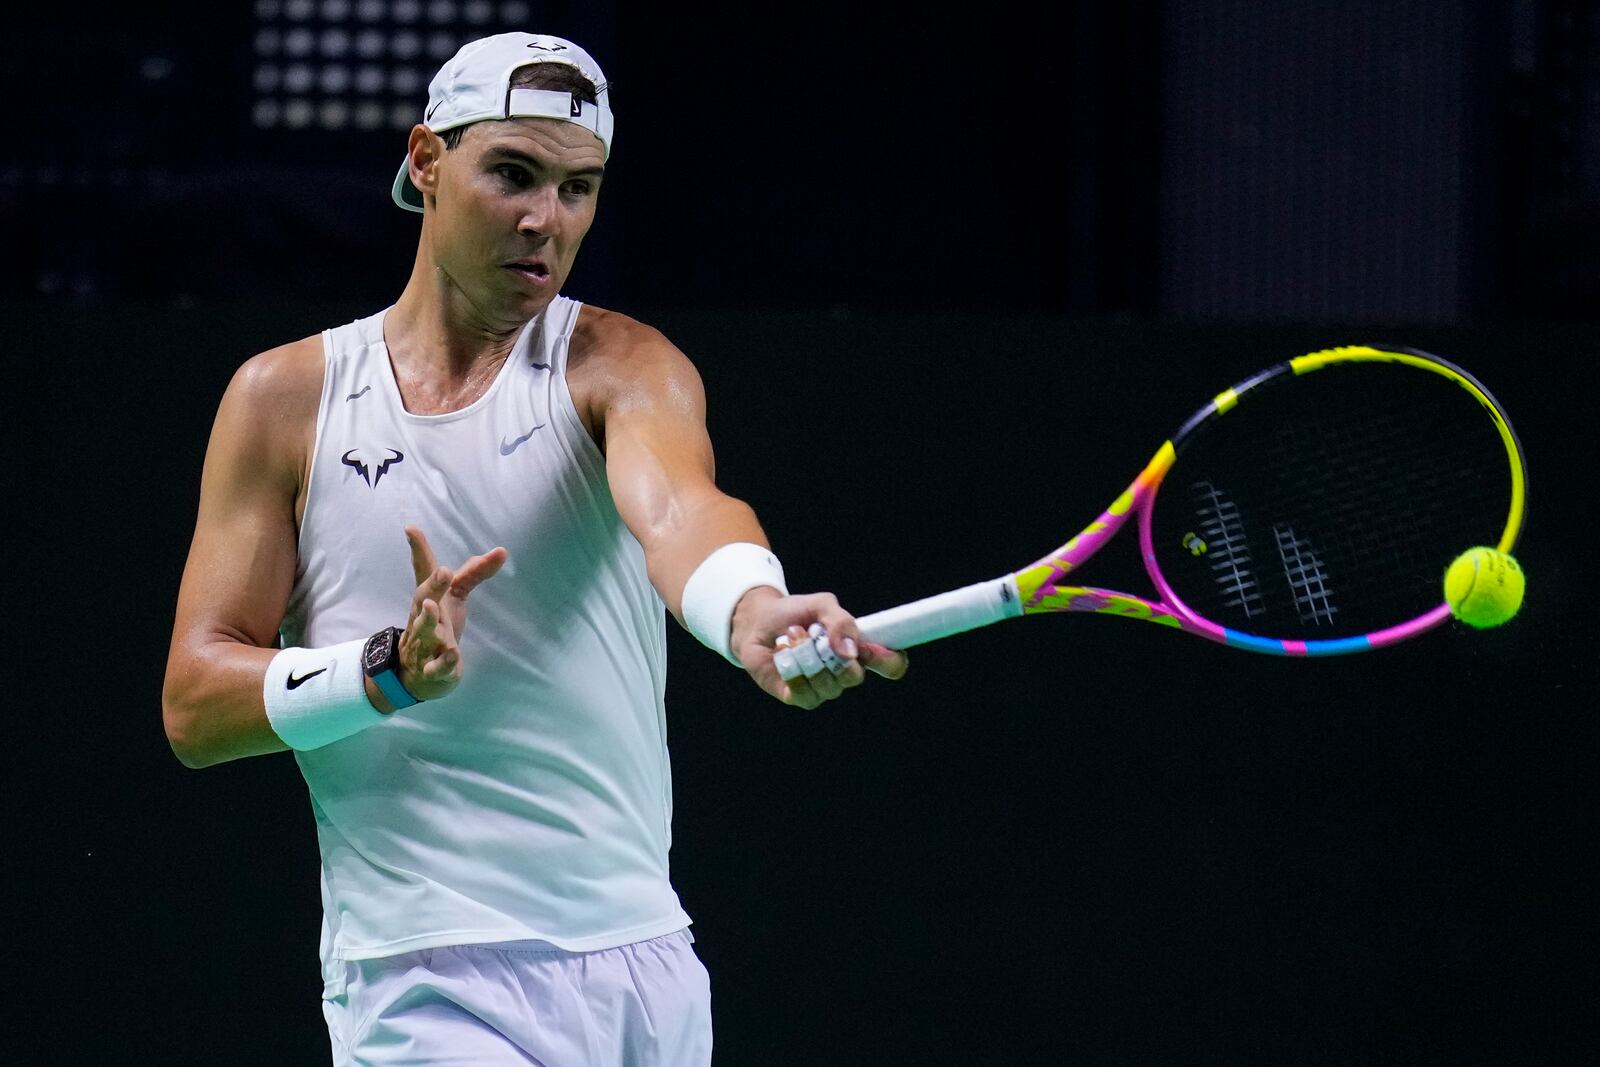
534	802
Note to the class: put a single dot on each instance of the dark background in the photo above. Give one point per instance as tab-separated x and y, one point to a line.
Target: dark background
949	280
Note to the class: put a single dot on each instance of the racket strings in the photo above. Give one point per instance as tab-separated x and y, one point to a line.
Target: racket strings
1380	494
1228	549
1308	580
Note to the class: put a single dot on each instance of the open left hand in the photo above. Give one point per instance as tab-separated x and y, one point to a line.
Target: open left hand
430	651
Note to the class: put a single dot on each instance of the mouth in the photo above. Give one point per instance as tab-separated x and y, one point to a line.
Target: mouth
530	270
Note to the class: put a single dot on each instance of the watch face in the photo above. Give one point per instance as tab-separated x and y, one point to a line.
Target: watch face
376	655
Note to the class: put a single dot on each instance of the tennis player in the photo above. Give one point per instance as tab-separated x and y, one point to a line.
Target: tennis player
493	803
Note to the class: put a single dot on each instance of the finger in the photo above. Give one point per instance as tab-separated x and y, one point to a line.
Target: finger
816	672
800	694
478	569
442	666
841	628
783	656
885	662
782	677
824	647
825	685
847	671
425	627
423	561
783	659
788	663
808	654
433	585
795	693
805	655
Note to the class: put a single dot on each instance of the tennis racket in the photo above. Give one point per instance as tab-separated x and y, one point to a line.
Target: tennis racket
1310	510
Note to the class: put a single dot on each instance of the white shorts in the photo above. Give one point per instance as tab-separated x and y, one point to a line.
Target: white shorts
641	1005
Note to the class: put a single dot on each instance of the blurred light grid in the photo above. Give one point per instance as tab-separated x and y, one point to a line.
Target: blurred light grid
364	65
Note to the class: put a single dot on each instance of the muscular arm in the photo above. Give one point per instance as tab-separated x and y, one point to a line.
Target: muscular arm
241	570
659	464
242	560
646	402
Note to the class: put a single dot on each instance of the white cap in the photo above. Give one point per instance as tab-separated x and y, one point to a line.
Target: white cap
475	85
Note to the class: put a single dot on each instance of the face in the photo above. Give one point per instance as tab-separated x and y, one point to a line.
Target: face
512	203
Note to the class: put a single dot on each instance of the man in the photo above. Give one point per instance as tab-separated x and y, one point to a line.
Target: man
493	808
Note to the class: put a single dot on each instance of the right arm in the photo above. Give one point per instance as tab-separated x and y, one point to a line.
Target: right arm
241	563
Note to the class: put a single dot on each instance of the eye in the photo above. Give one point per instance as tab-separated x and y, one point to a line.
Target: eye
513	174
578	187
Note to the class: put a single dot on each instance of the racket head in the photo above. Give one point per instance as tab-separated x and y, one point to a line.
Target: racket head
1314	508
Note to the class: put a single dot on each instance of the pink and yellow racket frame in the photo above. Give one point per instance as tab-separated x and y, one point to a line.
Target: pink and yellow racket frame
1043	586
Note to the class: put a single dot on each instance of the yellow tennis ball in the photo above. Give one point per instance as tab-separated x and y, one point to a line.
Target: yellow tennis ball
1484	587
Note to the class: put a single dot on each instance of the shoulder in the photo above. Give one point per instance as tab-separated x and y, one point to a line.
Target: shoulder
269	411
616	362
620	344
280	381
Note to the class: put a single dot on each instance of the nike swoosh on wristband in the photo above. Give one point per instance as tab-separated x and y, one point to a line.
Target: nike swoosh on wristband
296	683
507	449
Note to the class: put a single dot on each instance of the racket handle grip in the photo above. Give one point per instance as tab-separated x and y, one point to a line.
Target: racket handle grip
939	616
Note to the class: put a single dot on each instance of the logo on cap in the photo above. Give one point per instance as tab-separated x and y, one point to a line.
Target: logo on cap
547	47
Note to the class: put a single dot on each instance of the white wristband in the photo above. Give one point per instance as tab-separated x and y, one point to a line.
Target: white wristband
714	589
316	696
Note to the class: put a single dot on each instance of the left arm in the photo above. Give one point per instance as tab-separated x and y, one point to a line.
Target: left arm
648	406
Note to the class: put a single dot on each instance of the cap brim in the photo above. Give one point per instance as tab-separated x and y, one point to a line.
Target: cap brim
404	193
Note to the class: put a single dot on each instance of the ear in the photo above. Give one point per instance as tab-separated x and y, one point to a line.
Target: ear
424	152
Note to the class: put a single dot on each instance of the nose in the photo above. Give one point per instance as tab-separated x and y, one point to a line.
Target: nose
540	211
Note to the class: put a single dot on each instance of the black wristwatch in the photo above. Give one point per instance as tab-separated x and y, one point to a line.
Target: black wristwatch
381	662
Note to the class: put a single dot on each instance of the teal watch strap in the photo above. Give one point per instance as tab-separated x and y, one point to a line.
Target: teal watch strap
380	661
388	683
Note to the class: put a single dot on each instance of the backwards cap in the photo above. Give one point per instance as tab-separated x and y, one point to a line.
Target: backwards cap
475	85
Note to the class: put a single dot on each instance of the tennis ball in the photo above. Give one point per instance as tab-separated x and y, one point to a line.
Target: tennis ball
1484	587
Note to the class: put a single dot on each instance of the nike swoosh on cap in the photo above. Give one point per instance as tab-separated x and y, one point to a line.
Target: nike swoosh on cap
507	449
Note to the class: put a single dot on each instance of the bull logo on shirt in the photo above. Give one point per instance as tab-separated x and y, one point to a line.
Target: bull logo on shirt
369	466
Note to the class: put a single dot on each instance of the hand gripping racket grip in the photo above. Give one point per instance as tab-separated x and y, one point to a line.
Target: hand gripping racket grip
940	616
